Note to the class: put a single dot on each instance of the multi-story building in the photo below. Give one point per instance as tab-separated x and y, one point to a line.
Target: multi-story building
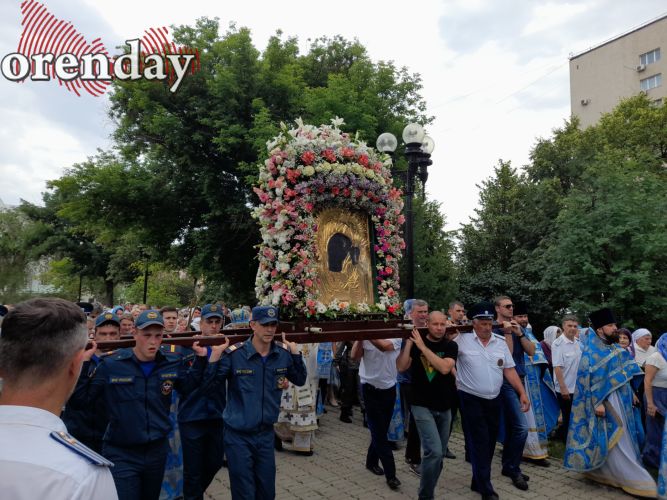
619	68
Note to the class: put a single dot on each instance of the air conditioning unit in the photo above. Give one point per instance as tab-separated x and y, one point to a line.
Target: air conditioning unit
641	68
585	102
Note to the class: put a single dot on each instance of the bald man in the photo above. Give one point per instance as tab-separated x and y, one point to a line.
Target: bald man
431	360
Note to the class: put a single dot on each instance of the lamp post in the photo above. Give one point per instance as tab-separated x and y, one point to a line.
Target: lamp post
418	149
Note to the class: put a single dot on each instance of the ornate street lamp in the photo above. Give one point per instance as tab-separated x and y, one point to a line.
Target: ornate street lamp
418	149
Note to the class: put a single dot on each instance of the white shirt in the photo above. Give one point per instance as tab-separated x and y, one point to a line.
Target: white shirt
566	353
378	368
34	465
641	355
479	369
660	379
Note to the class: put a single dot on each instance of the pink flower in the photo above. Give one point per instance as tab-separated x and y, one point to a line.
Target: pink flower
363	160
308	157
329	155
292	175
347	153
308	282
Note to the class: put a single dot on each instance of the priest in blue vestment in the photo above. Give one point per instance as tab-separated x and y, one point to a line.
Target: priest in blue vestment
605	435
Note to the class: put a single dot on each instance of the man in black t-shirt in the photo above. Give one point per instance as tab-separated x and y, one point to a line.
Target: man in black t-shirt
431	360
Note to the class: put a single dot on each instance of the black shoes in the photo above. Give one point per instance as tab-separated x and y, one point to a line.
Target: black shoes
540	462
376	469
393	483
344	417
450	455
525	477
492	496
519	482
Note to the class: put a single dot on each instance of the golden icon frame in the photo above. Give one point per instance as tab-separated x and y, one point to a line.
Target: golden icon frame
354	283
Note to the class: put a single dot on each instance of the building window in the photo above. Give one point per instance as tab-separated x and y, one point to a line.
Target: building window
651	82
650	57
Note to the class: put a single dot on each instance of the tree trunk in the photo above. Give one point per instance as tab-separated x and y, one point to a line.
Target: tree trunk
108	286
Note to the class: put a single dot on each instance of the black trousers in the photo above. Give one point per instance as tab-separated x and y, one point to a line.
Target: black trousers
202	455
413	452
565	410
379	409
349	382
481	417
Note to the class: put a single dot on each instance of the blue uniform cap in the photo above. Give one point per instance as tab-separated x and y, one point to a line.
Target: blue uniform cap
482	310
265	314
86	307
212	311
107	317
240	316
148	318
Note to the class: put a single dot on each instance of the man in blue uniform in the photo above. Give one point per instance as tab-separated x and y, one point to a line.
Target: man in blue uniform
257	371
89	423
137	386
200	422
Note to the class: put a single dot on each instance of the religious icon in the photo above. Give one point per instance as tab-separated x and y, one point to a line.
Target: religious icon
343	245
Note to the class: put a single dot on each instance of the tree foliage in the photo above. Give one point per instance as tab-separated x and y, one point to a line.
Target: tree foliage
584	226
176	187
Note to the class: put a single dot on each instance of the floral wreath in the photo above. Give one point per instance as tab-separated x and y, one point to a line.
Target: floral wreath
309	168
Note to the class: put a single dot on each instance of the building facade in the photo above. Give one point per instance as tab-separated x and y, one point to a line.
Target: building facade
619	68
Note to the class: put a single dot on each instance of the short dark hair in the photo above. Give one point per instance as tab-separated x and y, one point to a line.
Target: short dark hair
169	309
569	317
455	303
497	299
39	336
419	303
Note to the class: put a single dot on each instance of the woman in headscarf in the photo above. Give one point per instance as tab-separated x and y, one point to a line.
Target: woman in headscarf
550	334
642	343
655	393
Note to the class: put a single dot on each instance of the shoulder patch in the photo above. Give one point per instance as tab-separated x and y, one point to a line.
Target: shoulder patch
80	449
234	347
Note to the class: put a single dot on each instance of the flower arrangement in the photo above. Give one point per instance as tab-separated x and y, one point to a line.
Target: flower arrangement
309	168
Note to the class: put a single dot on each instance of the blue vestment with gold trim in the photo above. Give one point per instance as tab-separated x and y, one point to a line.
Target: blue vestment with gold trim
603	368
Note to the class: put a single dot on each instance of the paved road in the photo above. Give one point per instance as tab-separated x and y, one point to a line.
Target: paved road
336	470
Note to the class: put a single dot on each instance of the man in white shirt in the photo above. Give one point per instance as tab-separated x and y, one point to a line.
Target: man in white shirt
565	356
484	360
378	373
41	353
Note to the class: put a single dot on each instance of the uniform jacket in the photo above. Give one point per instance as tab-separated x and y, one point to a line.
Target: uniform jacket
199	405
254	387
89	423
138	405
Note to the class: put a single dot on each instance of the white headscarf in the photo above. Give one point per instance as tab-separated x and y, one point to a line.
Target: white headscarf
641	354
637	334
550	334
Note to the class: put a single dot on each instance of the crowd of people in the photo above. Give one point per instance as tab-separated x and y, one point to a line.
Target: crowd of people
158	420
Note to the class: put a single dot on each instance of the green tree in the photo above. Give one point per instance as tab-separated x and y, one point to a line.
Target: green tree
435	274
14	255
180	178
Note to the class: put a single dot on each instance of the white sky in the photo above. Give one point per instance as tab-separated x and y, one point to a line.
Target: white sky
495	75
